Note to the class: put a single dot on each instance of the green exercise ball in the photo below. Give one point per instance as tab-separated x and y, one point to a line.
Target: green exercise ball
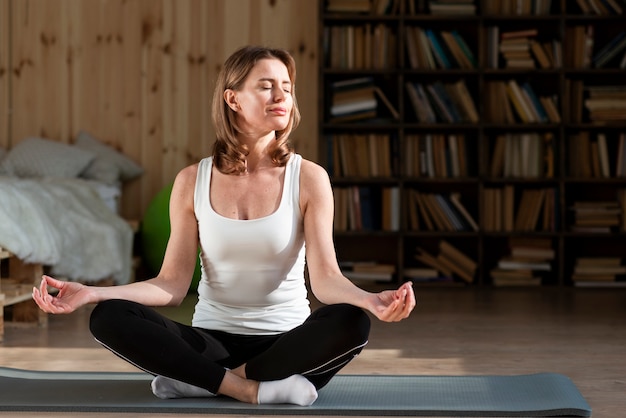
155	232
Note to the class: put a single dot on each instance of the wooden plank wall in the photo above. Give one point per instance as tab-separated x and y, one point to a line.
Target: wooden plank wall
138	74
4	73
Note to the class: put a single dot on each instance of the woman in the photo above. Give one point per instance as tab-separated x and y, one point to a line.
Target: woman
251	207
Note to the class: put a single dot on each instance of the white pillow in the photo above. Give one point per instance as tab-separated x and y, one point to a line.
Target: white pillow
109	166
38	157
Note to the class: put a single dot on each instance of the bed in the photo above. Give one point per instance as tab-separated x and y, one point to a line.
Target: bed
59	207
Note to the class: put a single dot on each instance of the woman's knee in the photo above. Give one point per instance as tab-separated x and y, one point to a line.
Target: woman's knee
108	315
352	322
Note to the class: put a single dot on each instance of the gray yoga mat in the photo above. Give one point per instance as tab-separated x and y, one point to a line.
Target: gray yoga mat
534	395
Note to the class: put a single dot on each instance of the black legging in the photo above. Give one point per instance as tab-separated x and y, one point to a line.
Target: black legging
329	338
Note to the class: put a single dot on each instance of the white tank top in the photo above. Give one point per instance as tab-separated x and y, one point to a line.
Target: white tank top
252	270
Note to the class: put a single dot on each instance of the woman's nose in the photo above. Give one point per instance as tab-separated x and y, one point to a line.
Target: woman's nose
279	95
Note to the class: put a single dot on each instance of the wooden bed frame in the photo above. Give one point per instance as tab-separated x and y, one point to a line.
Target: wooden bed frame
16	290
17	279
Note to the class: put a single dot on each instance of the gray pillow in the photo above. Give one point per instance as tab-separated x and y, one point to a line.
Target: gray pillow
38	157
109	166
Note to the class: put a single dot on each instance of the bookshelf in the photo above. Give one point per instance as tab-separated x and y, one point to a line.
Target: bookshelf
494	128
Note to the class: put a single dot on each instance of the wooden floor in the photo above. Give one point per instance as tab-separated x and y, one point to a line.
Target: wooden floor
577	332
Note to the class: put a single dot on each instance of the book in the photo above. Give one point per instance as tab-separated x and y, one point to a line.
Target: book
509	263
430	260
457	256
437	49
455	198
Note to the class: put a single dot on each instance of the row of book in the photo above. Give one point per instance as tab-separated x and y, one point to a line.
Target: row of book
507	102
435	156
523	155
360	46
359	208
517	7
431	49
361	155
593	156
510	102
368	46
601	7
468	7
530	209
392	7
514	155
442	102
585	52
526	259
438	212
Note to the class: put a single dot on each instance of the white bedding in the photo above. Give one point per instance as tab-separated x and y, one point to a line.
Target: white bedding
64	223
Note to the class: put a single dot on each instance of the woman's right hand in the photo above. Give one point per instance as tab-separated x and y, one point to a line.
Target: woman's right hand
70	297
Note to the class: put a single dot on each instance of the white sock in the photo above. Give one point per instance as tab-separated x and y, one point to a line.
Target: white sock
295	389
166	388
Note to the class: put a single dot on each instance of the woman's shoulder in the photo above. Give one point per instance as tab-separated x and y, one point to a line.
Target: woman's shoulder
187	176
310	170
313	177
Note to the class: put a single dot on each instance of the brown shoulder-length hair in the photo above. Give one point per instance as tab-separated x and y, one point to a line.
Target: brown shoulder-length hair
228	154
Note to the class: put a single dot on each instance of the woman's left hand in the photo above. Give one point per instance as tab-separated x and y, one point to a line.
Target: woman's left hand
394	305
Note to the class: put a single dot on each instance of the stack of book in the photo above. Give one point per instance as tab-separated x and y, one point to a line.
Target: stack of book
449	262
356	99
521	49
379	7
520	267
353	100
367	270
596	216
515	48
425	275
598	271
606	103
452	7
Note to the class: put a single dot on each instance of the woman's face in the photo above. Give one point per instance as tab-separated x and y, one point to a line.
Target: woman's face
264	103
